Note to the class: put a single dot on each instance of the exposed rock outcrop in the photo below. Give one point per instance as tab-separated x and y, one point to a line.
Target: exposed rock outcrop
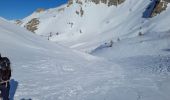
18	22
32	25
155	7
79	2
115	2
40	10
108	2
70	2
61	9
160	6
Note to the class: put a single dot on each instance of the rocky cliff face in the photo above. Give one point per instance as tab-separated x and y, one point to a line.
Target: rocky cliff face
32	25
160	6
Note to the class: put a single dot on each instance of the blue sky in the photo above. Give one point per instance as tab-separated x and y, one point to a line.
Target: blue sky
18	9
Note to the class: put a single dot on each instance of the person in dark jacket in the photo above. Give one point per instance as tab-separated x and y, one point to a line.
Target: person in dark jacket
5	74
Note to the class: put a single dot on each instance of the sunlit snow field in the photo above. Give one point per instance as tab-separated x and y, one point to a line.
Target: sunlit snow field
83	67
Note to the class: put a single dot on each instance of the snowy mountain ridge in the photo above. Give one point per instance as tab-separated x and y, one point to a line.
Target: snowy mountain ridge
77	24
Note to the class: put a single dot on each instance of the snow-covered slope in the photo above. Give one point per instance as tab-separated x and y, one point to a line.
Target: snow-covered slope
47	71
135	53
87	25
44	70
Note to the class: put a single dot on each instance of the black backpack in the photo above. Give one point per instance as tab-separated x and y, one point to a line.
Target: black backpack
5	69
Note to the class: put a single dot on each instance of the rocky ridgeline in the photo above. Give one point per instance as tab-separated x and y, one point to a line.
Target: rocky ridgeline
32	25
160	6
156	7
39	10
80	11
108	2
